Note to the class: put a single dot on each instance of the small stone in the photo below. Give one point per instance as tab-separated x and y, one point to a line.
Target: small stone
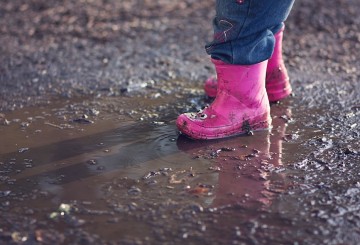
92	162
134	191
94	112
4	193
25	124
196	207
64	208
82	121
6	122
24	149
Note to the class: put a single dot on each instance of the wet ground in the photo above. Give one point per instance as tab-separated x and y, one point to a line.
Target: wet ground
89	153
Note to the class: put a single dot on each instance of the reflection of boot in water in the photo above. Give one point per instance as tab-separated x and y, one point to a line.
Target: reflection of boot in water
247	165
272	170
281	115
240	181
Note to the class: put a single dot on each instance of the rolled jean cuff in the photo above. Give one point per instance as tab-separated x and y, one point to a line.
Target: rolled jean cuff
247	51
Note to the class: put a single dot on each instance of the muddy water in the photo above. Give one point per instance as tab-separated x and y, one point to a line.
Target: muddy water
116	178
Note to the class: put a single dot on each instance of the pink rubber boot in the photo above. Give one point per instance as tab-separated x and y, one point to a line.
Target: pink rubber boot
277	79
241	104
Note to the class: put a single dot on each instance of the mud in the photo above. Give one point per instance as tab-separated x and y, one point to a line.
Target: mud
89	153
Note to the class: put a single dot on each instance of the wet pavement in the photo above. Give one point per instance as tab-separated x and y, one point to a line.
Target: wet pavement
89	152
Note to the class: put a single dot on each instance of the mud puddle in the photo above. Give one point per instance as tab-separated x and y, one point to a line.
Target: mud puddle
74	176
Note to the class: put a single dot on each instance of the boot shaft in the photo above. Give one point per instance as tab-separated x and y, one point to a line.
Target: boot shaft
246	82
277	58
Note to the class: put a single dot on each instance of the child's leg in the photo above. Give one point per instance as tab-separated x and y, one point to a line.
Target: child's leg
277	79
244	29
243	41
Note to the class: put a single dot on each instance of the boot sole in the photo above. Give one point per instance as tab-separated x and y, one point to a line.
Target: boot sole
227	131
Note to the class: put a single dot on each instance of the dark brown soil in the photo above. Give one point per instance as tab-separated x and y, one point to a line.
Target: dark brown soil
89	152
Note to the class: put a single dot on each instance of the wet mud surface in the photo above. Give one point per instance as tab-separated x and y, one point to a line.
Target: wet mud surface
89	153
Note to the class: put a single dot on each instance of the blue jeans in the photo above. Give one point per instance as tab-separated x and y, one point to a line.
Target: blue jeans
244	29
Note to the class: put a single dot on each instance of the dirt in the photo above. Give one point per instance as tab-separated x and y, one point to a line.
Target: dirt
89	152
